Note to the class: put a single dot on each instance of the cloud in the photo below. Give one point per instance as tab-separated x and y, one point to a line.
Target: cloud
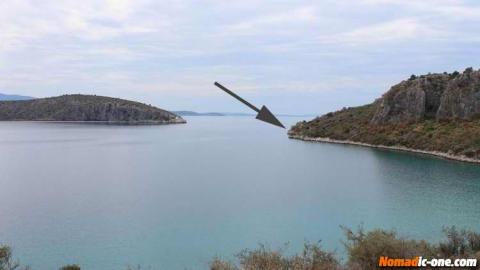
390	31
448	9
177	48
22	22
300	15
458	11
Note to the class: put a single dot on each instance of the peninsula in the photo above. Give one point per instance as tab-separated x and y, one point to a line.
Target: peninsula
436	114
85	108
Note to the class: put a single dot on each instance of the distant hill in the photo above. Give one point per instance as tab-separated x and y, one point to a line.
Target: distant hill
190	113
435	114
87	108
279	115
14	97
238	114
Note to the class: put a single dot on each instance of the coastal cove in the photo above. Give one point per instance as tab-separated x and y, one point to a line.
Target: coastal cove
176	196
239	135
394	148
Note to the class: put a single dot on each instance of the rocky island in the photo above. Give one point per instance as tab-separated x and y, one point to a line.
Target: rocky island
85	108
437	114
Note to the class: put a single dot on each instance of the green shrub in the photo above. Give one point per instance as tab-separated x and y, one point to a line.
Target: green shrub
365	248
6	261
313	257
218	264
459	242
262	258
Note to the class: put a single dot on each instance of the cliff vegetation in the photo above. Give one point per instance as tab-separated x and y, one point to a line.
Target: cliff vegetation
434	113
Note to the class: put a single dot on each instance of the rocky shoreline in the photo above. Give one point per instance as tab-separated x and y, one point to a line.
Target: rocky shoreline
395	148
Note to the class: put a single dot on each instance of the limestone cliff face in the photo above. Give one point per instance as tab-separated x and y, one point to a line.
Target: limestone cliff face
433	96
461	98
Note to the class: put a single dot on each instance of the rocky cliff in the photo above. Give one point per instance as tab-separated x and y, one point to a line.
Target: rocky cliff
85	108
434	96
435	113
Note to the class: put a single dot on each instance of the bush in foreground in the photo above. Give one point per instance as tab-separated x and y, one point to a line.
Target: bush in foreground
363	252
6	261
363	249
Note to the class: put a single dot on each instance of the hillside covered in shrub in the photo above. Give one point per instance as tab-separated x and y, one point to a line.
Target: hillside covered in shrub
434	113
85	108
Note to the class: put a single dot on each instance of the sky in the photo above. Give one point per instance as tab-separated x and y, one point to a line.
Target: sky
296	57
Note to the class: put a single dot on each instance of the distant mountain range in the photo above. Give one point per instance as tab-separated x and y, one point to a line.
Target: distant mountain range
14	97
192	113
6	97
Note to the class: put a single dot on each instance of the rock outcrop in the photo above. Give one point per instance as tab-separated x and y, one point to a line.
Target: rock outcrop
435	113
85	108
434	96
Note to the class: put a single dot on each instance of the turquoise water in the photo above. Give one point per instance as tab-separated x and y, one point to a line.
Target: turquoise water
174	197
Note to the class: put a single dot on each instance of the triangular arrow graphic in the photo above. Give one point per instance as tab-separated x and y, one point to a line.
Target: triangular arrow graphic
264	114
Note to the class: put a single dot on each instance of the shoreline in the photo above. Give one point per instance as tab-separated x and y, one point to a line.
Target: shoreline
437	154
126	123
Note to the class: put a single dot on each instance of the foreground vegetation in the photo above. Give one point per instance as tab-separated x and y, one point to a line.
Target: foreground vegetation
363	252
363	249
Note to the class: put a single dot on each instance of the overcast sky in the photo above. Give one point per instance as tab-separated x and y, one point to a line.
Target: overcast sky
295	57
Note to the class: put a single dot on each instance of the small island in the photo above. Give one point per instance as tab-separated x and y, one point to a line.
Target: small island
436	114
86	108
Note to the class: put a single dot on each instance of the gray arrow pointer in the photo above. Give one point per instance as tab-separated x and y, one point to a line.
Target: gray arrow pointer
264	113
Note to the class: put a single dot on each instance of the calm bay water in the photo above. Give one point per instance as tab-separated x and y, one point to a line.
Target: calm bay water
174	197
